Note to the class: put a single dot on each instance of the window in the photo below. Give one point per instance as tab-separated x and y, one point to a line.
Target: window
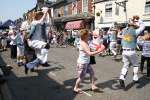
108	10
56	14
74	7
65	10
147	7
85	6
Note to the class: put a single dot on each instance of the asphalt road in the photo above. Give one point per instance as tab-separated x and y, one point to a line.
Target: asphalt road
56	81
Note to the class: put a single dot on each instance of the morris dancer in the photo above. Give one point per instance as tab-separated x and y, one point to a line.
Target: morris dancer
38	40
129	53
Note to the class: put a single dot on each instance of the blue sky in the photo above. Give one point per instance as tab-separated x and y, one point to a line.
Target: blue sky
13	9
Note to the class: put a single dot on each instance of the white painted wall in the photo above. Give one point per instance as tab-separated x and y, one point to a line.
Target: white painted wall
134	7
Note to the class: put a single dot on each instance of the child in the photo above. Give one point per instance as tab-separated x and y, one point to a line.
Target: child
83	65
144	41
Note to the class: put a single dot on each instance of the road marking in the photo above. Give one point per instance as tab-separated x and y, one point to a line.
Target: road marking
86	93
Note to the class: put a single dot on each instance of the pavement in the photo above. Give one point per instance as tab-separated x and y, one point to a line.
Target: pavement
56	81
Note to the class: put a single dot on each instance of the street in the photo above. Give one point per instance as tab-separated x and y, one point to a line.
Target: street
56	81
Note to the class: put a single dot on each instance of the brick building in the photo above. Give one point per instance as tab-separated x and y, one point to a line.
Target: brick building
73	14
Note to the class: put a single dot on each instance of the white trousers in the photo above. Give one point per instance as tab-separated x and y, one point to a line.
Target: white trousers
20	50
129	57
42	54
39	47
36	44
112	47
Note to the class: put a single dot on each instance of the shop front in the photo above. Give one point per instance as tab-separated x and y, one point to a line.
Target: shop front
75	25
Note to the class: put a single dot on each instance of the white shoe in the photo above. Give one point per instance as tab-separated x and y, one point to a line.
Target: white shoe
122	77
135	78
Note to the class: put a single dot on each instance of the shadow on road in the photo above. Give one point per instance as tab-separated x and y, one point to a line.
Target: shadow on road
142	83
111	84
37	87
6	70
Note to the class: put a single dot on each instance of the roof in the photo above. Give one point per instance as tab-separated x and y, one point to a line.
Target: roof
58	2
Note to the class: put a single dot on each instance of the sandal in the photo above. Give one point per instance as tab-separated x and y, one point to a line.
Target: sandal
94	88
79	91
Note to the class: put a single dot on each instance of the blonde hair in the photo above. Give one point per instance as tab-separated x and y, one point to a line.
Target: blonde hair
83	33
147	37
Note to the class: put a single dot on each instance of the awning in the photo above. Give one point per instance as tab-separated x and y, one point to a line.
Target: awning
74	25
105	25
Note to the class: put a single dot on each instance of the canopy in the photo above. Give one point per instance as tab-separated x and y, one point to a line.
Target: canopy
74	25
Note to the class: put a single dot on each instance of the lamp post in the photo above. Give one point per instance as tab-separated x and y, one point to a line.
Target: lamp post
123	4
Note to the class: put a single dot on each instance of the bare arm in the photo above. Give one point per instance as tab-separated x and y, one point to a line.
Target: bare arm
43	18
119	35
87	49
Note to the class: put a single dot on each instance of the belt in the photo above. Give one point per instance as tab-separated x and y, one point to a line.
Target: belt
128	49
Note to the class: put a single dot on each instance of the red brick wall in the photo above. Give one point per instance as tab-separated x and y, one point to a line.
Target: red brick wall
90	9
79	6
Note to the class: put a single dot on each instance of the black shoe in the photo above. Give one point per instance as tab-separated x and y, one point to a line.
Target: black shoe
122	84
47	46
32	70
45	64
19	64
2	81
135	81
26	69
